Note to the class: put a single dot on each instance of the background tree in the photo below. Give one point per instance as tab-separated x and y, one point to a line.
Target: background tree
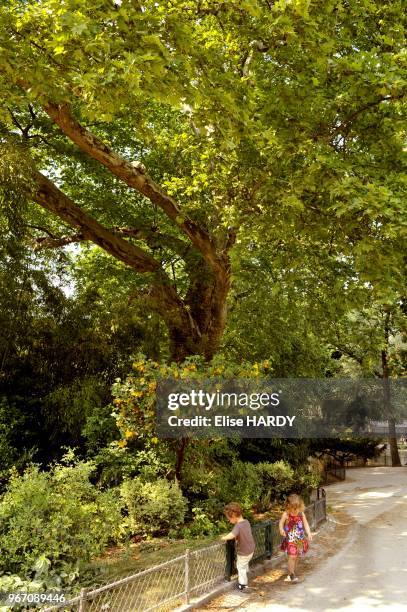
373	338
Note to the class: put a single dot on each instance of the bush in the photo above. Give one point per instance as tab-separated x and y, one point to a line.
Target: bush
238	482
201	525
279	479
100	429
153	506
52	523
115	464
305	482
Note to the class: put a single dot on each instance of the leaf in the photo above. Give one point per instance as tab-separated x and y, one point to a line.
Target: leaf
41	564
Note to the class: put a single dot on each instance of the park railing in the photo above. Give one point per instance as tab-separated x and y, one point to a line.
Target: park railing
333	471
196	572
383	460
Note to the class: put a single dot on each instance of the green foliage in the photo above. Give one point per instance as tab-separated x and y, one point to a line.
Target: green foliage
362	333
307	479
308	170
100	429
281	120
346	449
153	506
16	444
239	482
11	583
148	461
277	478
52	523
201	525
67	407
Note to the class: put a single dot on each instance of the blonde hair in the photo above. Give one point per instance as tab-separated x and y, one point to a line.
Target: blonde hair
233	509
294	504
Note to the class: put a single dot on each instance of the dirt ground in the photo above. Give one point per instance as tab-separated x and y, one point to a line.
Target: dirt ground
357	562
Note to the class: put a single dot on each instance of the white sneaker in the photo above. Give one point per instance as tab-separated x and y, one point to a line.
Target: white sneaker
291	578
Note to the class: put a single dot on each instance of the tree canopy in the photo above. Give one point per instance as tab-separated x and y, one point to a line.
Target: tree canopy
178	136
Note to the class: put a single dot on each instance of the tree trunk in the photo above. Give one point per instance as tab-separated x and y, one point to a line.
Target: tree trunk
394	451
180	452
204	313
395	457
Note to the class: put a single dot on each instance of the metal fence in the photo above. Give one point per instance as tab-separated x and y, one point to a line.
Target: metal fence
382	460
333	471
163	587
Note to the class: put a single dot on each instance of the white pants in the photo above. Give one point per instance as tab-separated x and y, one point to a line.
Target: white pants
242	565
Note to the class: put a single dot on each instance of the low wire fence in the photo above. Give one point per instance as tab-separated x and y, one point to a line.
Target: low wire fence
196	572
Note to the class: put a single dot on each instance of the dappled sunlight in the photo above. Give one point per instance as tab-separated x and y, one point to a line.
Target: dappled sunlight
372	494
369	571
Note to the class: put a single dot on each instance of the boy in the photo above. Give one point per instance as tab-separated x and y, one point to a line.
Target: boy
242	533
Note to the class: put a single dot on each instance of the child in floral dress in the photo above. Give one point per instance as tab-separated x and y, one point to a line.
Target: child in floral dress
294	528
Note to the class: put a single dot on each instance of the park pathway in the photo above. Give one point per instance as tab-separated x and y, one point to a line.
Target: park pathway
365	567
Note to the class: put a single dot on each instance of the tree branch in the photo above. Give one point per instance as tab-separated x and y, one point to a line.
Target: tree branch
51	198
134	175
151	236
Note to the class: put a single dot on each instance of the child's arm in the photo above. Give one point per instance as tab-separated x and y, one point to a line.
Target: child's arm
307	527
228	536
282	523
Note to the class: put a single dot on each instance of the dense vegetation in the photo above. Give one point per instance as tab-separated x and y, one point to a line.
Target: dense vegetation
195	187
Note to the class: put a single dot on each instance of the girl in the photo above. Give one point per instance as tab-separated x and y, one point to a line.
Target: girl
293	526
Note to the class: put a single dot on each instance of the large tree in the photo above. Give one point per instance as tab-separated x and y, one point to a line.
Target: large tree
165	133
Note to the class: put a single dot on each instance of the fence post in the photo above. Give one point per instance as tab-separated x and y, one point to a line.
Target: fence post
82	601
314	516
230	558
187	576
268	537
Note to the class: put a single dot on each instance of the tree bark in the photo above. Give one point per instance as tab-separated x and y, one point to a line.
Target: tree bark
47	195
394	451
206	301
180	453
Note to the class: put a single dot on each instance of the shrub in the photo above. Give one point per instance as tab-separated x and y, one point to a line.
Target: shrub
277	480
305	482
52	523
115	464
238	482
280	478
153	506
100	429
202	524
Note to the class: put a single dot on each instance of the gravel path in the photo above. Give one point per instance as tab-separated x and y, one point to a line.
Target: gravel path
357	563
